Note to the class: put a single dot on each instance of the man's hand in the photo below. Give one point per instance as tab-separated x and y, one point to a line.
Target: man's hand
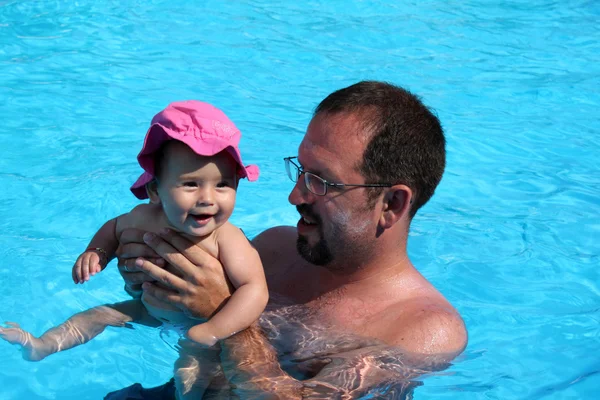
132	246
200	287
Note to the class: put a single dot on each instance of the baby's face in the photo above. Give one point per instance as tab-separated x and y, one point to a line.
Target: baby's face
197	193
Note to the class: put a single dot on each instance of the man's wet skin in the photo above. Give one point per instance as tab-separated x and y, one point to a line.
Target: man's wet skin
334	334
306	346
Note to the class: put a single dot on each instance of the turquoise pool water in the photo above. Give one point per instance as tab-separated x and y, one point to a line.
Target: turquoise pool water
511	237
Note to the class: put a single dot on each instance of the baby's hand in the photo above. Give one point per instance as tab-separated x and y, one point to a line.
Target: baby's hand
32	347
89	263
203	334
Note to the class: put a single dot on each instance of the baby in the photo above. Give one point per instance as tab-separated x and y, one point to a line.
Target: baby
192	165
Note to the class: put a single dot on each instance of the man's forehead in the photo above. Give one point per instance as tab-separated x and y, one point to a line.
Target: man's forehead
307	145
335	127
332	137
318	142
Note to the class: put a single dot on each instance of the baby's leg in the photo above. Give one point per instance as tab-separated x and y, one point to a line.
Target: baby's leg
194	370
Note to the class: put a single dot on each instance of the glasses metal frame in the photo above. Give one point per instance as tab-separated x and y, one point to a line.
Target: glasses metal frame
326	184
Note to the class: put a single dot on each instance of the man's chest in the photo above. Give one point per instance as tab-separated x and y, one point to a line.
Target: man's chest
302	332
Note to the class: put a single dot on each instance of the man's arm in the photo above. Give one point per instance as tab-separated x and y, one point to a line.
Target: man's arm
377	370
250	364
426	327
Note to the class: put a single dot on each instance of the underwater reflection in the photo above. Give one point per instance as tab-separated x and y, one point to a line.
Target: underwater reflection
328	362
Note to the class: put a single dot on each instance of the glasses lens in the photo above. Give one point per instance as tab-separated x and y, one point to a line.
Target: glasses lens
315	184
292	170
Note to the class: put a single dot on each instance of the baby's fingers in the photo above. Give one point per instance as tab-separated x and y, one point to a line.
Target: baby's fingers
85	268
77	273
93	263
97	268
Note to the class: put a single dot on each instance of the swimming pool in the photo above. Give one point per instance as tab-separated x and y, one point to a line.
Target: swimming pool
511	237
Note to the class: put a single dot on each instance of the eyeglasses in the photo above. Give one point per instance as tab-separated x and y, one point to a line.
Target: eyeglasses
315	183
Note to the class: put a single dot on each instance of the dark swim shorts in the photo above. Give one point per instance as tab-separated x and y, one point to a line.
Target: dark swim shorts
137	392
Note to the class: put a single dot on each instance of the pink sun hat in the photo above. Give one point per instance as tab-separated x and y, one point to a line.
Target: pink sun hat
201	126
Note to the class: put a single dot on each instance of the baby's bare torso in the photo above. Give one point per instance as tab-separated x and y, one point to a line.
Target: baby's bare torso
151	218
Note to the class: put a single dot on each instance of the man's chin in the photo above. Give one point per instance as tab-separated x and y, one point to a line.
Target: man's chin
317	254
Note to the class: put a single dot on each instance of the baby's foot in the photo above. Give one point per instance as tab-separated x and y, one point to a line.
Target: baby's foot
30	345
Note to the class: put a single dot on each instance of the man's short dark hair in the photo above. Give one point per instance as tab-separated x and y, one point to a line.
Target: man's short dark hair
407	144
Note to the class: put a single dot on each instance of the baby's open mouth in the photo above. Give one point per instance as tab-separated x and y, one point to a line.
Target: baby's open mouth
202	217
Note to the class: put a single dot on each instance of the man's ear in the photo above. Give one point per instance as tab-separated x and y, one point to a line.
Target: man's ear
152	191
397	202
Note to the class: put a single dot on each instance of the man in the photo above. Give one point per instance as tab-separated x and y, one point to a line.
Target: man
349	314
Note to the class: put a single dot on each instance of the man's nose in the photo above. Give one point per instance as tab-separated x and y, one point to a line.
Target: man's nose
300	193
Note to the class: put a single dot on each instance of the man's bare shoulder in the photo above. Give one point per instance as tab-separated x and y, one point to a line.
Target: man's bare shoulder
427	326
276	245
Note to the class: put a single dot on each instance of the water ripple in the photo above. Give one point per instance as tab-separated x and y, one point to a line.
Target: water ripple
511	236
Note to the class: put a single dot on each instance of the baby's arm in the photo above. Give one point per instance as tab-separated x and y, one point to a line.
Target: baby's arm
105	242
98	254
243	267
79	329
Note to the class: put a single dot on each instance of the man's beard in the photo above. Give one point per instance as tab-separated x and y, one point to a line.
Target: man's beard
320	253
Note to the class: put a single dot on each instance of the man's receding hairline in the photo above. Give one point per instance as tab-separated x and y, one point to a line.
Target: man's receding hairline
367	117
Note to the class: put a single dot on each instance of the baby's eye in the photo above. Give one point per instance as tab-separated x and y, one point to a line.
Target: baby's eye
190	184
223	184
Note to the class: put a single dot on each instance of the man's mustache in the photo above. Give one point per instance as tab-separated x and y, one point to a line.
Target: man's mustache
307	211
